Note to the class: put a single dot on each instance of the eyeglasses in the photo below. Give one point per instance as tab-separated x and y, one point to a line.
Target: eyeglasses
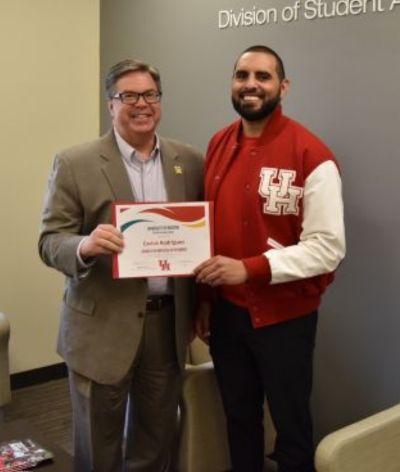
131	98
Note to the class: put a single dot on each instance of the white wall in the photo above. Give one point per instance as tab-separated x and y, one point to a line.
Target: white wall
49	84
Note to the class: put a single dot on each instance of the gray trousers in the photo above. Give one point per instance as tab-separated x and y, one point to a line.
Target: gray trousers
100	412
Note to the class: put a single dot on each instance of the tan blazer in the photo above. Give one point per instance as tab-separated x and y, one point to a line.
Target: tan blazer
102	318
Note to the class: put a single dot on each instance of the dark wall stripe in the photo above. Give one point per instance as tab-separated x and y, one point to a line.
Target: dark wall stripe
38	376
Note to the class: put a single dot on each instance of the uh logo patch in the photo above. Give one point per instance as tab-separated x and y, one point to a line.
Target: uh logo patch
164	265
281	196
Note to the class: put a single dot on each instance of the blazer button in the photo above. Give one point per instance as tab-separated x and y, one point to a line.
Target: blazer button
140	314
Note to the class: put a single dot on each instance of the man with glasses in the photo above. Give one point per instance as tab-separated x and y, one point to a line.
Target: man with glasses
121	339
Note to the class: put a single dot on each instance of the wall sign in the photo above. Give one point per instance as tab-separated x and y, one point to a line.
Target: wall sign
307	10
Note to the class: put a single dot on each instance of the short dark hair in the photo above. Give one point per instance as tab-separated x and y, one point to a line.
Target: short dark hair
266	50
125	67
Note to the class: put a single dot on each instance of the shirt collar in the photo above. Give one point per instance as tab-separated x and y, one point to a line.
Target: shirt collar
128	152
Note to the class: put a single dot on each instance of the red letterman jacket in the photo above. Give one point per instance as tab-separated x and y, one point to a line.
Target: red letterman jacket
285	155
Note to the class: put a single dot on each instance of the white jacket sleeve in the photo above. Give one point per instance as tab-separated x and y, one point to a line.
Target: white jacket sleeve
322	240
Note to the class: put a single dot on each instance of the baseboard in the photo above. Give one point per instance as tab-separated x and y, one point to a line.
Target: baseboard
38	376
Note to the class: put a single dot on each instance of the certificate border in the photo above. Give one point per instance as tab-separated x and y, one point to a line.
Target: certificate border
116	203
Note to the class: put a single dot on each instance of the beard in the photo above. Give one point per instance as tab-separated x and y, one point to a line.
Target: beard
247	112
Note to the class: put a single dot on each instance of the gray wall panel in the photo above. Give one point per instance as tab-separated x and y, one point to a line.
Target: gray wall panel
345	73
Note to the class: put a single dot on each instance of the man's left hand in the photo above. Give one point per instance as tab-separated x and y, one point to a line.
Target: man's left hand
221	270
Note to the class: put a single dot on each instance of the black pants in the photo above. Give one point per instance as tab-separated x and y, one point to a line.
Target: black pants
275	361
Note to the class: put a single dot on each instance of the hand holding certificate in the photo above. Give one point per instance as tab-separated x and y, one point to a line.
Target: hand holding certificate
162	239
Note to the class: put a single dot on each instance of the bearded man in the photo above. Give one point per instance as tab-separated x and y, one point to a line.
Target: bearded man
279	236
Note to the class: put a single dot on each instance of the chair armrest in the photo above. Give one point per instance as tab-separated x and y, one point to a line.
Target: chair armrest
203	444
5	392
369	445
199	352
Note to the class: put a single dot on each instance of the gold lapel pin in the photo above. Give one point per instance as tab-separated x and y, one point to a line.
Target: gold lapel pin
178	170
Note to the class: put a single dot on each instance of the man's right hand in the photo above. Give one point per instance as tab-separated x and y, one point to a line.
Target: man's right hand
104	239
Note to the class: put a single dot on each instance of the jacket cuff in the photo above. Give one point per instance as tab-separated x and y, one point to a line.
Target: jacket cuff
258	268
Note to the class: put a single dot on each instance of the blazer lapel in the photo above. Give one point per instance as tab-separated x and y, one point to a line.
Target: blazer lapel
174	172
114	170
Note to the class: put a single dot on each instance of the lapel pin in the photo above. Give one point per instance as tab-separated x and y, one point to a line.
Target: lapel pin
178	170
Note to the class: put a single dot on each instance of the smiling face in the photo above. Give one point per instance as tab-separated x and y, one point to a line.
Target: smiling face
257	88
138	122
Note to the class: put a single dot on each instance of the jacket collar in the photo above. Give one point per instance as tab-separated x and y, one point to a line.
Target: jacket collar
230	145
174	171
271	129
113	168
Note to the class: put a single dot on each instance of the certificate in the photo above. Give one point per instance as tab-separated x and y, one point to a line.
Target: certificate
162	239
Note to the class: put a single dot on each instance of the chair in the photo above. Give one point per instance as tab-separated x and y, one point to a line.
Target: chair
369	445
203	445
5	392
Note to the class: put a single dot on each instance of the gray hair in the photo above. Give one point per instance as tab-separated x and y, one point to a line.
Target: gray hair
125	67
